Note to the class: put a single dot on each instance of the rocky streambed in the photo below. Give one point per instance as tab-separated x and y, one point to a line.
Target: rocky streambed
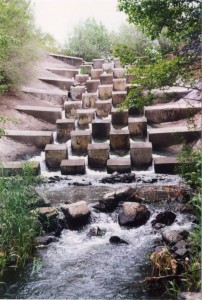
97	237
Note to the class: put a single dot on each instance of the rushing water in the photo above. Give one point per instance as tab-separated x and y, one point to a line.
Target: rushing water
81	267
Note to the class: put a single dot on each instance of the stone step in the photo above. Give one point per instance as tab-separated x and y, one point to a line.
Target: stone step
118	97
71	108
137	126
92	85
89	100
13	168
81	78
103	108
119	140
73	167
48	114
105	91
120	165
97	63
80	140
38	138
101	129
119	84
166	165
119	72
168	136
63	84
76	92
141	154
85	116
168	113
98	155
54	154
106	79
64	128
96	73
119	117
70	60
68	73
58	97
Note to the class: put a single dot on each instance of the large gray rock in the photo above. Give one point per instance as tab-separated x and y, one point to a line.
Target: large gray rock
190	296
76	214
133	214
173	236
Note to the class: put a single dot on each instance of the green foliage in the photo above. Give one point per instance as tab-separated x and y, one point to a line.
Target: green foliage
18	226
17	48
2	132
89	40
47	42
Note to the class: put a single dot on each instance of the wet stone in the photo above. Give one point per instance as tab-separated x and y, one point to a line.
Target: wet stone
119	140
98	154
133	214
76	214
120	165
141	154
137	126
101	129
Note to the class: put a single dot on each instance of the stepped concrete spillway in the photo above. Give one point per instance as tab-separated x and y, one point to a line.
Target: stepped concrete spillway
70	60
49	114
63	84
68	73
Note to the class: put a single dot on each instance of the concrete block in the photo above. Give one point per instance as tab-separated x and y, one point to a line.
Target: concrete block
82	78
103	108
96	73
38	138
101	129
119	117
141	154
98	154
106	79
48	114
72	167
119	140
137	126
108	67
54	154
118	97
105	91
70	60
64	128
165	165
120	165
63	84
68	73
85	69
76	92
119	72
92	85
119	84
129	78
89	100
80	140
117	63
71	108
97	63
168	136
13	168
85	116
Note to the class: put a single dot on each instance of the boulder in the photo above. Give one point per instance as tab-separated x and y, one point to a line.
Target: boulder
96	231
119	178
45	240
117	240
174	236
76	214
166	217
133	214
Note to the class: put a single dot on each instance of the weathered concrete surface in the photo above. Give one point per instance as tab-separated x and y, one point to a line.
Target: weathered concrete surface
168	113
105	91
54	154
76	92
80	140
48	114
89	100
97	63
120	165
106	79
85	116
108	67
96	73
70	60
71	108
68	73
137	126
141	154
53	97
13	168
119	140
166	165
81	78
101	128
98	154
38	138
118	97
103	108
119	84
119	117
63	84
64	128
165	137
92	85
72	167
119	72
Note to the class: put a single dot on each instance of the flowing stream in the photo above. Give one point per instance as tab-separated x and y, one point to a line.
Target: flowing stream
82	267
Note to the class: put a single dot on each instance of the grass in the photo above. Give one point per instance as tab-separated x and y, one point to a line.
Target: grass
18	226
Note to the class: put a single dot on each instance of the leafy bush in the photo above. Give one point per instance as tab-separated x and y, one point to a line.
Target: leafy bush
89	40
17	47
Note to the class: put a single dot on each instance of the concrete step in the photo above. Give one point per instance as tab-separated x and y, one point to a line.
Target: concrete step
38	138
85	116
141	154
54	154
58	97
12	168
73	166
166	165
80	140
120	165
48	114
63	84
64	128
168	136
70	60
98	155
168	113
68	73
